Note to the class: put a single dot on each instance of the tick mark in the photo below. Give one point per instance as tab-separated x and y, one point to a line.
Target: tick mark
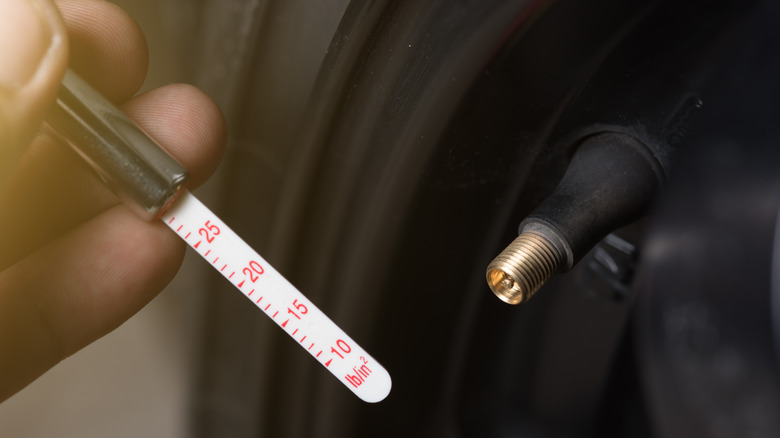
223	268
188	235
318	354
172	219
259	299
304	338
179	229
311	346
197	244
207	253
327	364
250	294
296	331
266	307
240	285
215	260
284	324
277	312
231	275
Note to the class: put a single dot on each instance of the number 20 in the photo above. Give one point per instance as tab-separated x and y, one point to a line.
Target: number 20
253	271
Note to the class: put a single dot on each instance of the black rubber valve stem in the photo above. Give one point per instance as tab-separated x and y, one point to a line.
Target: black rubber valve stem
609	183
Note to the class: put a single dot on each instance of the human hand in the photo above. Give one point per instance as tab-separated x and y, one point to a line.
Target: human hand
74	264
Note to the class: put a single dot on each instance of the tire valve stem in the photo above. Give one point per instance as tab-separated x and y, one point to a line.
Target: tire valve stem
609	183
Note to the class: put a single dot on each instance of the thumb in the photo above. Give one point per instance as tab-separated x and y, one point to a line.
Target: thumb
33	58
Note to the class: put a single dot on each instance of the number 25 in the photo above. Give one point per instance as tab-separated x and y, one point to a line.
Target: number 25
209	231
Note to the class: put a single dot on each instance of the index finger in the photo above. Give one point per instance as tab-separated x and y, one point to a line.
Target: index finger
108	48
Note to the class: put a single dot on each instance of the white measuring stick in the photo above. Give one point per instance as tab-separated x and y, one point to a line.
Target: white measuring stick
277	298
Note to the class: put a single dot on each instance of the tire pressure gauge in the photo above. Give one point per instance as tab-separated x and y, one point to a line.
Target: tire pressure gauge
152	183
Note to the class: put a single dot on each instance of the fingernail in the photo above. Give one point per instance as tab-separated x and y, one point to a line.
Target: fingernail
25	37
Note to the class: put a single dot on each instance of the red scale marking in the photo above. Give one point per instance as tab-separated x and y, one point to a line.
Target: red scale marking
207	253
250	294
240	285
223	268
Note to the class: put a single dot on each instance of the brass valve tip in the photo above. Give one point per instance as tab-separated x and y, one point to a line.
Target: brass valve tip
523	267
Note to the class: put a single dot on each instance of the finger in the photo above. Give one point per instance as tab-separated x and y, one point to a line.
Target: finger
54	190
79	288
33	57
187	122
108	48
